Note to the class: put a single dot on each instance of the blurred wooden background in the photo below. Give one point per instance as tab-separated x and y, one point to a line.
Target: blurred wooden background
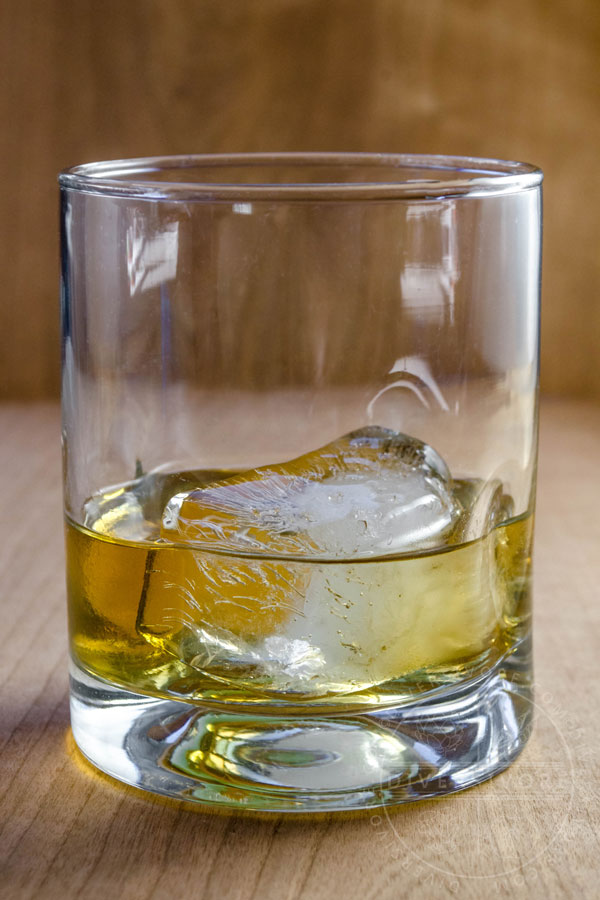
87	80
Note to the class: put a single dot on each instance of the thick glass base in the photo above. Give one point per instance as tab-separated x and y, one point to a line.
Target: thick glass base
306	764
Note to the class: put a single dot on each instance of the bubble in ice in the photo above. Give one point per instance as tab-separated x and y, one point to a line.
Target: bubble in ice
371	492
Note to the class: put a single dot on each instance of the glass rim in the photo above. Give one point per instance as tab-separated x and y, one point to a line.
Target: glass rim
477	176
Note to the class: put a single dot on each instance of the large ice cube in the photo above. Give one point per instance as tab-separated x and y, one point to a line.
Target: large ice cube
370	493
322	622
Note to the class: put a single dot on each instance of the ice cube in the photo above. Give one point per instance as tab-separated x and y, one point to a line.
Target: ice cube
369	493
117	513
246	613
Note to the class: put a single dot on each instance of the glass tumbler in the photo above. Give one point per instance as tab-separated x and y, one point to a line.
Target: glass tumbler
300	432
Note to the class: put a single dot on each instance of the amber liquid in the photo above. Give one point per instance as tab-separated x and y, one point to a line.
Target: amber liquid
169	620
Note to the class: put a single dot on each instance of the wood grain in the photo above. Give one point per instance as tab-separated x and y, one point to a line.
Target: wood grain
509	78
68	832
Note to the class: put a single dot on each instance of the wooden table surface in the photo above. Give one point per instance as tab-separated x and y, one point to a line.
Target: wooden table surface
66	831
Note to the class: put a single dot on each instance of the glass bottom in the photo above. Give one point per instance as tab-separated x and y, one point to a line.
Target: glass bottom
284	763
